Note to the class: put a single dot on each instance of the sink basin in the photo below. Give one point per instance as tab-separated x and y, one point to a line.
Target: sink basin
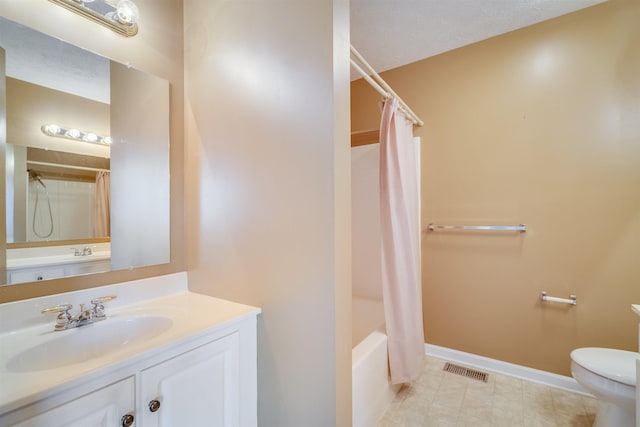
87	342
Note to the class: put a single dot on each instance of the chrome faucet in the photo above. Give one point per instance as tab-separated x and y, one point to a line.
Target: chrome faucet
85	316
82	252
66	321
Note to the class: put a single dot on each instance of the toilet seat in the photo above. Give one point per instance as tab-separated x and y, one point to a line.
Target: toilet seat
615	365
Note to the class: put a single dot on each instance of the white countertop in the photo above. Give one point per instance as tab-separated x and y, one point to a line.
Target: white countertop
193	315
43	256
45	261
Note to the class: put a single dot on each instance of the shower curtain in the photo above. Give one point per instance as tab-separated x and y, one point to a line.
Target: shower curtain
400	227
102	216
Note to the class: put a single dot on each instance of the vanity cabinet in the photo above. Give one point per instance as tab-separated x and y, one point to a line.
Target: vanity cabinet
209	381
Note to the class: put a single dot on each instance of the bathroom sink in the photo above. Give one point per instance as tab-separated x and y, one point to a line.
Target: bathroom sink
88	342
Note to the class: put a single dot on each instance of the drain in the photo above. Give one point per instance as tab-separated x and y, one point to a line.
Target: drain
466	372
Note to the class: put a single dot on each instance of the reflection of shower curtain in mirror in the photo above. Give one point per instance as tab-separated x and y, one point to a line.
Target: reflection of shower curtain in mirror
102	217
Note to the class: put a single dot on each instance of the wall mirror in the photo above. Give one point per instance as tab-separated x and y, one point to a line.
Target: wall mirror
87	160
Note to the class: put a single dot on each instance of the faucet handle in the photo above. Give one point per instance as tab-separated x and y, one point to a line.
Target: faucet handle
64	317
62	308
98	306
100	300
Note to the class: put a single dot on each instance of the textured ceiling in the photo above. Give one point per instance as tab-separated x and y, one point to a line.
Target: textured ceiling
388	33
391	33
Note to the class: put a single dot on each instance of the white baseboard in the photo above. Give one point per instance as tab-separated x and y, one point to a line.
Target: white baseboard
500	367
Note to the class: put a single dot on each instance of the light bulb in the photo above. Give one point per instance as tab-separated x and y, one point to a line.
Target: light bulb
91	137
52	129
73	133
127	12
107	140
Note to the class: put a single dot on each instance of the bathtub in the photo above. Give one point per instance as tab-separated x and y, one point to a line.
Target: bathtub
371	390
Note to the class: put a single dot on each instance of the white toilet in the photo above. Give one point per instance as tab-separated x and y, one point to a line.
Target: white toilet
610	375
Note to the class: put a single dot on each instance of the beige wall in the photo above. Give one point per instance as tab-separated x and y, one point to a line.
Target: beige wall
157	49
140	159
539	126
267	173
29	106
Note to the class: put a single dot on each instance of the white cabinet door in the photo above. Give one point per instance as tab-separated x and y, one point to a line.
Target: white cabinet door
198	388
102	408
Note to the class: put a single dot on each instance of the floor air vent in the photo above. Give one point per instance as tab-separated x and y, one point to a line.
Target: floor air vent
466	372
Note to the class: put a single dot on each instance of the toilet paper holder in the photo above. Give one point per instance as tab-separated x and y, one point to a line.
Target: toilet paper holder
573	300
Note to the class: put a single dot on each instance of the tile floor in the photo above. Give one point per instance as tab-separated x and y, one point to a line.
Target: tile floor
442	399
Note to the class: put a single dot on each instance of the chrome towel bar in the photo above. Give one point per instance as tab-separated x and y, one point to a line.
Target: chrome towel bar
522	227
573	300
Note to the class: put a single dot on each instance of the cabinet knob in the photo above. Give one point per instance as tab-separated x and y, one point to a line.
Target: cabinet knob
154	405
127	420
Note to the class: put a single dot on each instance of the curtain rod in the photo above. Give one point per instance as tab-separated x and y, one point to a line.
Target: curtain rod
369	74
60	165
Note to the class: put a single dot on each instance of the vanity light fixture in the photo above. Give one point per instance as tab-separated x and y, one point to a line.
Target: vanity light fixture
75	134
120	16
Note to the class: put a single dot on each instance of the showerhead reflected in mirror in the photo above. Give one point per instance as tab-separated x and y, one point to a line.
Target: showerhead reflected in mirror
76	202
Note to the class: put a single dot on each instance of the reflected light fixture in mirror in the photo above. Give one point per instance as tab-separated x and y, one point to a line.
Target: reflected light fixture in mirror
74	134
119	15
